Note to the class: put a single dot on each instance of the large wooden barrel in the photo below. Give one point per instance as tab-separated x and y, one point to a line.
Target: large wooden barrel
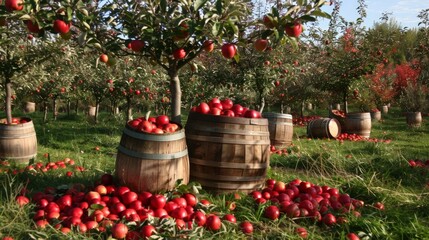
228	154
152	162
18	142
324	128
280	127
358	123
30	107
414	119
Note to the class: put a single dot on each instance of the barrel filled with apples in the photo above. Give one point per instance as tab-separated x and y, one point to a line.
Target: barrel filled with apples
152	155
18	141
228	146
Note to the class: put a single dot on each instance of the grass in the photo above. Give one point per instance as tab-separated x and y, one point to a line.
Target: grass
372	172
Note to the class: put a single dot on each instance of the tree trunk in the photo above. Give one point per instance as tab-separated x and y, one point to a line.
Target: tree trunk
68	107
282	107
346	105
45	112
129	110
262	104
302	108
76	108
8	101
97	105
54	108
176	96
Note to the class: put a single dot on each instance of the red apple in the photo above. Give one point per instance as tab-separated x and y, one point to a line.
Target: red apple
268	21
252	114
229	50
208	46
227	104
32	26
260	45
246	227
179	53
161	120
294	30
213	222
61	27
170	127
137	45
14	5
104	58
203	108
119	230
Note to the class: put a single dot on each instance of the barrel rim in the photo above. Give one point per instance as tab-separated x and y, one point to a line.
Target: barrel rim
278	115
28	123
226	119
177	135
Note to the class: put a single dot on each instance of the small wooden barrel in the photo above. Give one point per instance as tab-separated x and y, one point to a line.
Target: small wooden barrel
358	123
152	162
30	107
414	119
226	153
280	127
18	142
376	116
91	111
324	128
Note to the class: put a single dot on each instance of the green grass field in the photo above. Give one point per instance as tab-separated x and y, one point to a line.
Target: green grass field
368	171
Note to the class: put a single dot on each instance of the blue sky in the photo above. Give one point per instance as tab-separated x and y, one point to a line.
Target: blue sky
403	11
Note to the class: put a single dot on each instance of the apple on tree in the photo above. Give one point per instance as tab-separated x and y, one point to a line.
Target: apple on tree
229	50
294	30
61	27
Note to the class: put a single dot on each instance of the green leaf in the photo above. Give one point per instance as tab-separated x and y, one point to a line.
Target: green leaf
163	4
319	13
25	17
219	6
69	13
308	18
216	28
198	4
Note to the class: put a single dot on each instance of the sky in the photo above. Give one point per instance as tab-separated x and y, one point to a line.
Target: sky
403	11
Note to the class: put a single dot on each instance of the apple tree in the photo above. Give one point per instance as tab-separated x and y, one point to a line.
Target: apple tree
172	33
44	20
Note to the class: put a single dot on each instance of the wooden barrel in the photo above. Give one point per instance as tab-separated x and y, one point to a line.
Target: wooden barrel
358	123
336	106
152	162
18	142
324	128
91	111
280	127
376	116
30	107
414	119
228	154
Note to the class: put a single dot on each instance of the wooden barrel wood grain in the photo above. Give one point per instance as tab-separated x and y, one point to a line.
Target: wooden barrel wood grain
18	142
228	154
324	128
414	119
152	162
280	127
358	123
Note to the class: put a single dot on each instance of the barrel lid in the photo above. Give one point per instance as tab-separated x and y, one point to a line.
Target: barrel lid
226	119
334	127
